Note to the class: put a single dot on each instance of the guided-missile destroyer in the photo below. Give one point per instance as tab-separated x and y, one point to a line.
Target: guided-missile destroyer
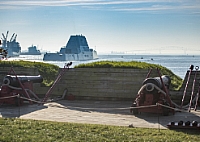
76	49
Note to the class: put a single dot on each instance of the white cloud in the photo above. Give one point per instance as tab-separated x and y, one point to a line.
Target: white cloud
119	5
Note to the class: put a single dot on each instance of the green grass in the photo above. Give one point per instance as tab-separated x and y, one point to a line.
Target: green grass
176	81
19	130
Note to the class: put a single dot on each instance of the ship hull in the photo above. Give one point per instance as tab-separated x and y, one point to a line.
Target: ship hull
86	55
28	53
12	53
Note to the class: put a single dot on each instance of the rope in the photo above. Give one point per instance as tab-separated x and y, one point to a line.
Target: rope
186	106
176	109
39	102
18	88
64	93
158	104
2	98
144	106
12	87
125	108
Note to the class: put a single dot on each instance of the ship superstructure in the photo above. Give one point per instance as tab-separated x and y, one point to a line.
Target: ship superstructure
76	49
12	47
32	50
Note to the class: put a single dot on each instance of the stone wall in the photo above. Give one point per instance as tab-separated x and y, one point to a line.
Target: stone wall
102	83
99	83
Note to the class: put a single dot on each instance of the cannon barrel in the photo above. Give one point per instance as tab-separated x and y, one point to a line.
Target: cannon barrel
12	80
157	81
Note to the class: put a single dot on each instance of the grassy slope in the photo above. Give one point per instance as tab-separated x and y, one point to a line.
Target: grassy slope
31	130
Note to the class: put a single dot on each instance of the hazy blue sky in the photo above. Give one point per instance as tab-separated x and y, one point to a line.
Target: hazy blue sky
136	26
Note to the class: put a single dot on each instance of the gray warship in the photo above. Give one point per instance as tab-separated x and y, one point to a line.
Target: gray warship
12	47
32	50
76	49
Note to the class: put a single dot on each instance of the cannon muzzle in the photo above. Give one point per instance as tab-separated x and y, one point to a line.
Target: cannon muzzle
12	80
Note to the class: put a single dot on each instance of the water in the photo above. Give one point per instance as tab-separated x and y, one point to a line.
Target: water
178	64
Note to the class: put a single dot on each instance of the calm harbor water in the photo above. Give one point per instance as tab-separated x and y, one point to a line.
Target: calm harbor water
179	64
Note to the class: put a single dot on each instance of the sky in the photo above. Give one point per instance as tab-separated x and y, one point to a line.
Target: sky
110	26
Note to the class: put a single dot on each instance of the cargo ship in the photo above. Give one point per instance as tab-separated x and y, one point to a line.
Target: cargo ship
76	49
11	46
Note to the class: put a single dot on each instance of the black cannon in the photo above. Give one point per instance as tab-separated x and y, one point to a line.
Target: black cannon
152	83
12	80
153	96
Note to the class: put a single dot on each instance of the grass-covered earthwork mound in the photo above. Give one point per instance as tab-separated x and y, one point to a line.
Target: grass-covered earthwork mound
176	81
49	71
